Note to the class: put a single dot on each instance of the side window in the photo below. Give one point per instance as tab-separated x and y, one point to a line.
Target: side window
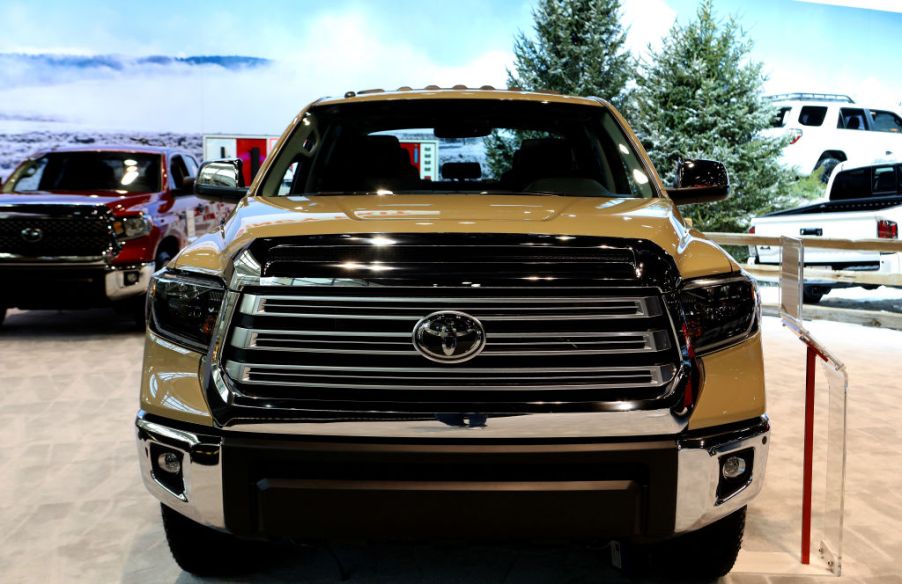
885	121
851	184
851	119
178	171
191	164
884	180
812	115
288	179
779	119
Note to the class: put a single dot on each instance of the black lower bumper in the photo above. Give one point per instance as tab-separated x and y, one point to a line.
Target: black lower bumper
62	286
327	488
318	490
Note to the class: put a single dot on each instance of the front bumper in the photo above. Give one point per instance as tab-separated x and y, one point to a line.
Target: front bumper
317	488
72	285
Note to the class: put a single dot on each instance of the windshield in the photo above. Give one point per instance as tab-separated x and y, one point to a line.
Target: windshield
458	146
125	172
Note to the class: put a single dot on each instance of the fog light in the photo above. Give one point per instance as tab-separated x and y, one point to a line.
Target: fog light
733	467
131	278
169	462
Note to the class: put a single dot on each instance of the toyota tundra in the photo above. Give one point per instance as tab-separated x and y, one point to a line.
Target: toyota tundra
86	226
530	343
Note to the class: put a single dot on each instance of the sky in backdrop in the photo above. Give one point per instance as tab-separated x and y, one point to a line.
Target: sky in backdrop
317	48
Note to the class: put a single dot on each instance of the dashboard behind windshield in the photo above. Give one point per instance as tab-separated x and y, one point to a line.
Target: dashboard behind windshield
458	146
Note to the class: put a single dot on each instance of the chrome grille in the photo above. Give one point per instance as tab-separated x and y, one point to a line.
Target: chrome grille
340	345
324	325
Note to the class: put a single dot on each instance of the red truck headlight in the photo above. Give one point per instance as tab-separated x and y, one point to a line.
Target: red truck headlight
719	311
132	226
183	308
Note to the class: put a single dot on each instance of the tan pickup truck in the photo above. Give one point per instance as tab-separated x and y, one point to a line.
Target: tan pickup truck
529	344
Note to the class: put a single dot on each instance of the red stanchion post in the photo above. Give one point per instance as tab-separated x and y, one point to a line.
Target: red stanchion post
808	455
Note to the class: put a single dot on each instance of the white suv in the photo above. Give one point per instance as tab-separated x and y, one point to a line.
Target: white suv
827	129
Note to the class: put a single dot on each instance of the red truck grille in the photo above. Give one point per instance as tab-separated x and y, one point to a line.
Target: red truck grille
40	236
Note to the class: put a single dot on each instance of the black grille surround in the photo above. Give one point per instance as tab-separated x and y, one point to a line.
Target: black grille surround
58	231
572	324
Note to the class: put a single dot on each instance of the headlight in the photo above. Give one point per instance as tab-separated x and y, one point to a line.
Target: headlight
132	226
719	311
184	308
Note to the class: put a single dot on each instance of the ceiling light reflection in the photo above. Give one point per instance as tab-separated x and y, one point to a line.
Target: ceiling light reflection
381	240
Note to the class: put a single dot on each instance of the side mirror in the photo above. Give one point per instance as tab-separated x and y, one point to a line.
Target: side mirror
186	188
699	181
220	180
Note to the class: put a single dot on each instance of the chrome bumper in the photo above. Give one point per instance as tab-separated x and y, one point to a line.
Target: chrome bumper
202	471
698	472
122	282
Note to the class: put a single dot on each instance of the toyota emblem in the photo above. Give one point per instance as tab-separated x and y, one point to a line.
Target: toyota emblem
449	336
32	234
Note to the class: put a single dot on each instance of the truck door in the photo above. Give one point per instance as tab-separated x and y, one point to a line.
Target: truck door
887	133
856	141
199	215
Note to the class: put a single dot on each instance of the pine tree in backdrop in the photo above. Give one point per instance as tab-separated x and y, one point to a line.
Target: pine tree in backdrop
700	97
577	49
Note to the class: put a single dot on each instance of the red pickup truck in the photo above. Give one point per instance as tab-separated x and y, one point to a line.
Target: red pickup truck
84	227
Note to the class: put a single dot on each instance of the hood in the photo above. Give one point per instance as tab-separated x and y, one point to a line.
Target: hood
116	201
654	220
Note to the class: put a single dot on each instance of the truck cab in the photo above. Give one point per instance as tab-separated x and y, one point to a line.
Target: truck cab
87	226
862	202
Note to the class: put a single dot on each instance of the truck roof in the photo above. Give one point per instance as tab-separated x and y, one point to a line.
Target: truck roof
459	92
136	148
809	97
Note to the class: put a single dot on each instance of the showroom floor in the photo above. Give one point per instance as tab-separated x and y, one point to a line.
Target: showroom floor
72	507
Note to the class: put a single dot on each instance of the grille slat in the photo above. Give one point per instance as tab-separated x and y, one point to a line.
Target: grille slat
462	379
484	309
499	344
399	256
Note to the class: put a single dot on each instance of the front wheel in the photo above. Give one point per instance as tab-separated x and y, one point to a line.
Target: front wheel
706	554
826	166
162	258
813	294
203	551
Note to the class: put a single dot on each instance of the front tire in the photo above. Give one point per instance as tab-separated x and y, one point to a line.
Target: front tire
162	258
2	314
813	294
203	551
706	554
826	166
